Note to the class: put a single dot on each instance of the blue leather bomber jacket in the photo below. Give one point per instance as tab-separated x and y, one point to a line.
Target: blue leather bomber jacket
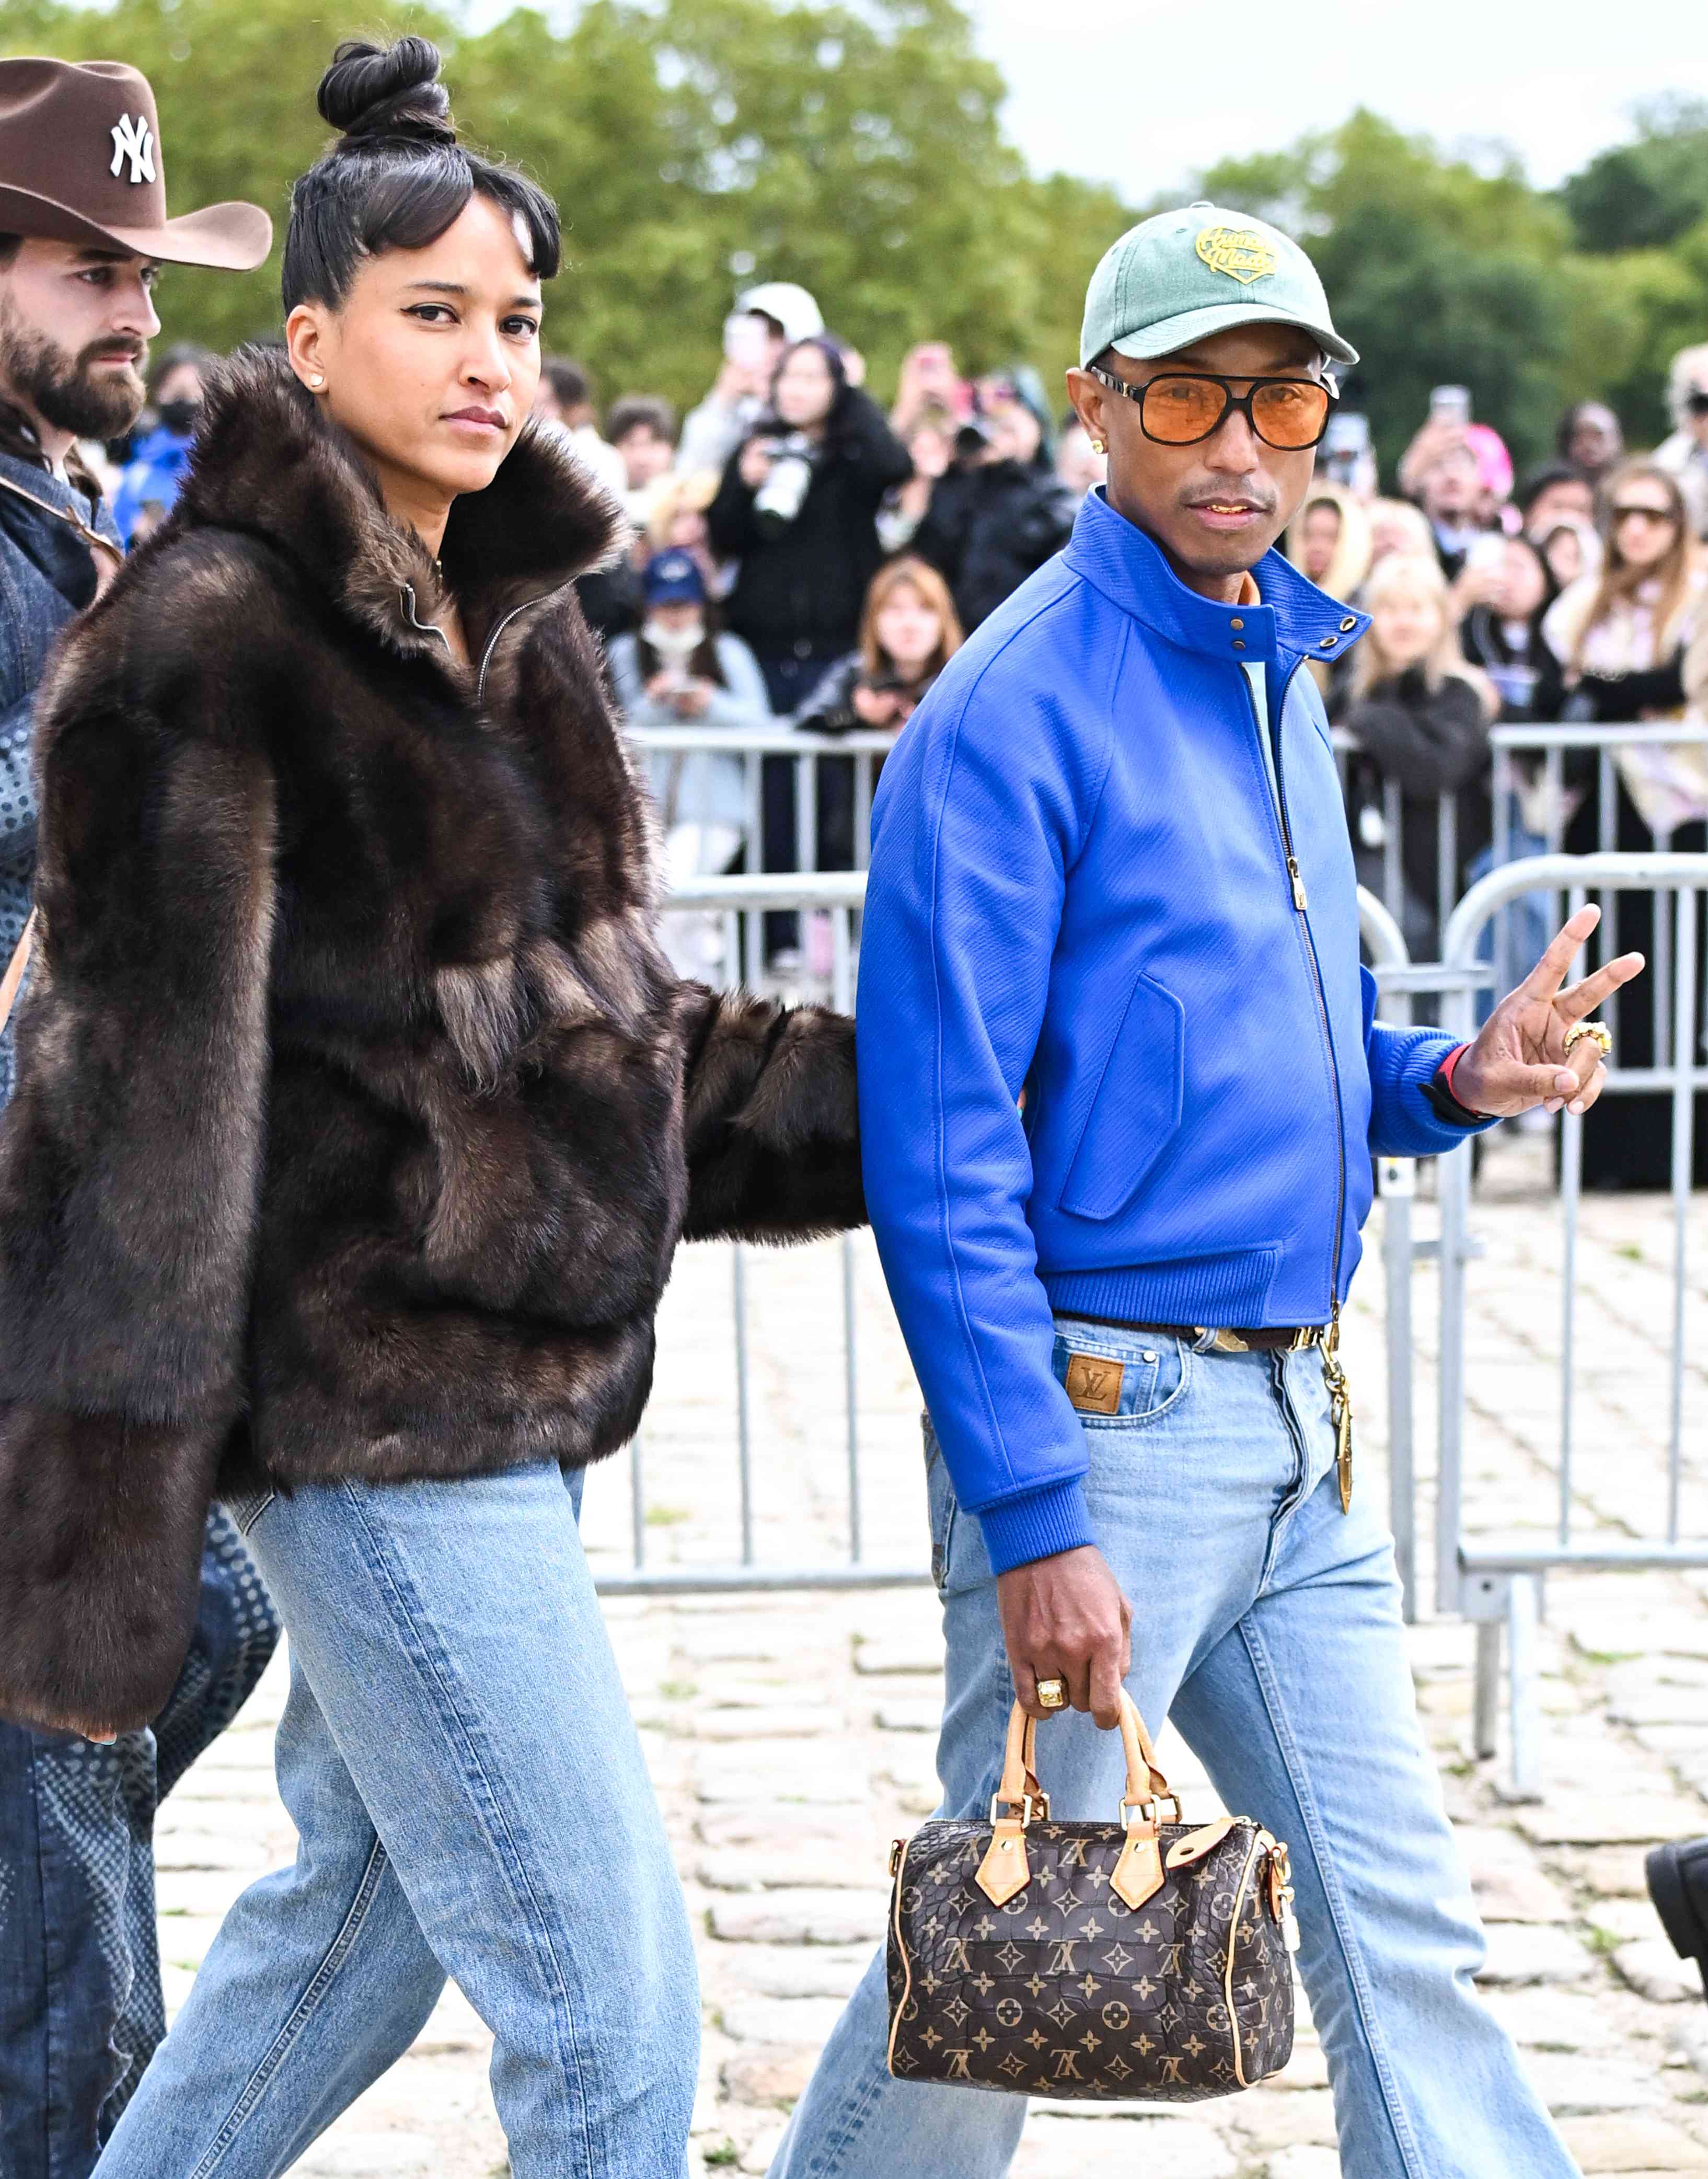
1088	885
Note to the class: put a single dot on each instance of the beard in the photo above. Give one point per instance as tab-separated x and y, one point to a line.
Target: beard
63	389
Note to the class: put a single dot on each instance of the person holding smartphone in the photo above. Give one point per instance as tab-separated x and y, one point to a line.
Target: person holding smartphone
766	320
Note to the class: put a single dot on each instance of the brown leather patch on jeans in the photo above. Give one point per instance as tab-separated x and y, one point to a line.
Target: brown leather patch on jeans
1094	1384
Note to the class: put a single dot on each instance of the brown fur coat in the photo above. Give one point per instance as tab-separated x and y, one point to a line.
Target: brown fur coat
359	1114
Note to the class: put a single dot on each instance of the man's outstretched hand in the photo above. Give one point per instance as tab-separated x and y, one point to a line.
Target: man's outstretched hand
1520	1059
1065	1618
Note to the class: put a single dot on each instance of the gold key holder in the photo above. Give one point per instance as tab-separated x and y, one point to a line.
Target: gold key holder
1339	1407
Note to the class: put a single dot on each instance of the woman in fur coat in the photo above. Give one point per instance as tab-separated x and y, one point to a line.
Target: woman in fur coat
359	1119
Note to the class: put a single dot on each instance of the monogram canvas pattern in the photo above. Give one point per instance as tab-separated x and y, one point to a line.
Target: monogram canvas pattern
1067	1991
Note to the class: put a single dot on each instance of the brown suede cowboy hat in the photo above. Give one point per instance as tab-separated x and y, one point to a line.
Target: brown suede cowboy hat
86	136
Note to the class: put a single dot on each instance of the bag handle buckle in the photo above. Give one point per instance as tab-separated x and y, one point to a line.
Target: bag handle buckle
1150	1810
1033	1803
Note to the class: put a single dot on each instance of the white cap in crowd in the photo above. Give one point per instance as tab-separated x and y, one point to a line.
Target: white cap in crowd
793	308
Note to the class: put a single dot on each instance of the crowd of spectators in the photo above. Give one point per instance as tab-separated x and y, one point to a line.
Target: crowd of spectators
803	561
1577	594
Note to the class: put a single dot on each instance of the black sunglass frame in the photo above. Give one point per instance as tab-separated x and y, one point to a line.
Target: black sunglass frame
1230	401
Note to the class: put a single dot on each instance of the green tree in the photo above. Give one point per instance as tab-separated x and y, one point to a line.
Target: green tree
856	145
703	144
1646	194
234	83
693	146
1438	271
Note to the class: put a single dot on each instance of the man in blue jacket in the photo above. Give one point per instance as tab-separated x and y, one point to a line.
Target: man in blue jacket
1120	1082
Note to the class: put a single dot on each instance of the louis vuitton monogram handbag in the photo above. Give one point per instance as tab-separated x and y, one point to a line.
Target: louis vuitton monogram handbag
1133	1960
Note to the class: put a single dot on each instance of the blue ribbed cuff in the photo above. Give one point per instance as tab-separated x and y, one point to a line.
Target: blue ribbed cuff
1422	1063
1056	1519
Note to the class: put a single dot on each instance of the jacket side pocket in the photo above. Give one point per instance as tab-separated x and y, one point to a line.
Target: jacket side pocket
1137	1108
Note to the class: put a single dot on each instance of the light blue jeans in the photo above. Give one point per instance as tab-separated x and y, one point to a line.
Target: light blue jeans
1267	1624
471	1800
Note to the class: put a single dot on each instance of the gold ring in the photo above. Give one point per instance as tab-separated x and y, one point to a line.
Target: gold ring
1599	1030
1052	1694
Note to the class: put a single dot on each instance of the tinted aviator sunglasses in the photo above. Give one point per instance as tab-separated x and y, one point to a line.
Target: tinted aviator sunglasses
1180	408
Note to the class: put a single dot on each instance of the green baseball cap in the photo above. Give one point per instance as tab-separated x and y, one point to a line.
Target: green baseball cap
1184	274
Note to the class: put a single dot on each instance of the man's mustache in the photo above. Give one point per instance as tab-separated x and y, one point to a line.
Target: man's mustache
1264	500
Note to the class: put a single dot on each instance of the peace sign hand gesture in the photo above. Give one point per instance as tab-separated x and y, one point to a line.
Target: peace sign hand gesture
1519	1061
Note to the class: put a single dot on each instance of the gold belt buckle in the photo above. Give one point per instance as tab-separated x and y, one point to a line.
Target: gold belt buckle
1230	1343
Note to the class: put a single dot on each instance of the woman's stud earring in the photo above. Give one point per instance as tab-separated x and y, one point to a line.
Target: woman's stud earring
316	382
1096	444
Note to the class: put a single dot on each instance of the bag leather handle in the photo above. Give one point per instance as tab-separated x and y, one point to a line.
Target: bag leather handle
1005	1870
1144	1780
13	978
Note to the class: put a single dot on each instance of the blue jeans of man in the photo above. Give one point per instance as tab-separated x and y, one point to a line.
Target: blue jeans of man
81	2010
1267	1624
471	1798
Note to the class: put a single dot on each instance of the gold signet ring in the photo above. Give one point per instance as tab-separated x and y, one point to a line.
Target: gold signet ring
1052	1694
1598	1030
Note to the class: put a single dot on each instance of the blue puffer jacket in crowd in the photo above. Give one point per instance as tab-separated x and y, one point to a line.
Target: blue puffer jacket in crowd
153	476
1116	1052
47	575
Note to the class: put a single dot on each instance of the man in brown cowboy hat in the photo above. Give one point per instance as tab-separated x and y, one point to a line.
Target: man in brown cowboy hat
82	227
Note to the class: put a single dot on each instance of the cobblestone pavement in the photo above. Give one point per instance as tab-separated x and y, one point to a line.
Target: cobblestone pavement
790	1735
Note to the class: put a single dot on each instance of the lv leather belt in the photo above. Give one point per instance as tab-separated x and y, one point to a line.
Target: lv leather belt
1259	1339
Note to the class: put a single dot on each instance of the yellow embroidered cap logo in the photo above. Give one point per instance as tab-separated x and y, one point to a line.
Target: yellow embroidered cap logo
1238	252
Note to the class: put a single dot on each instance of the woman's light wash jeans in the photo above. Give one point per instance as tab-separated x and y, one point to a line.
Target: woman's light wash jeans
471	1800
1267	1624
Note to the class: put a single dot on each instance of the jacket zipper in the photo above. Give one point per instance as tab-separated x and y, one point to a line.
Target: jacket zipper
1334	1375
407	597
493	640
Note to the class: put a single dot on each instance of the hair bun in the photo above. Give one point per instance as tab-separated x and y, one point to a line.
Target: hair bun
386	90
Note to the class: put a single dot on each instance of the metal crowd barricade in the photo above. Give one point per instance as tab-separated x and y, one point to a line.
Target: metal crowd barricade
866	747
1552	805
1492	1581
1347	746
1396	1183
742	903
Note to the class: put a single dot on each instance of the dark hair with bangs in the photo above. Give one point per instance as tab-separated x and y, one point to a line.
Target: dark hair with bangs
396	177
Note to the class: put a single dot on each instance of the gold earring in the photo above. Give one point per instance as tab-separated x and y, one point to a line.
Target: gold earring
1096	446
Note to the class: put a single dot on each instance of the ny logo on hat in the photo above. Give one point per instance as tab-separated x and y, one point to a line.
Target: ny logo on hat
133	139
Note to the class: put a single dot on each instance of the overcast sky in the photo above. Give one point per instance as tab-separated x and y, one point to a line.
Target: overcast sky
1141	94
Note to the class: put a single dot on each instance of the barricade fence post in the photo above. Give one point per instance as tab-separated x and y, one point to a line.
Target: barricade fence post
1481	1578
1396	1178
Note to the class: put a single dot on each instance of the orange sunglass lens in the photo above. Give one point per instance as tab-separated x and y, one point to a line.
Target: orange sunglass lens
1177	410
1290	414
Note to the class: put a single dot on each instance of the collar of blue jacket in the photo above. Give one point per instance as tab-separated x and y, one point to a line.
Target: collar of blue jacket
1293	620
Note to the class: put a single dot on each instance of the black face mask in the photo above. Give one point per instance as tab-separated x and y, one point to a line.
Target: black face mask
178	417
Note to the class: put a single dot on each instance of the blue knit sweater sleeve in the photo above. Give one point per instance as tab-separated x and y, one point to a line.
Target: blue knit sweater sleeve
981	813
1403	1063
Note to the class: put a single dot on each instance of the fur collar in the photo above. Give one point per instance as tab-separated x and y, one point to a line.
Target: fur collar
268	461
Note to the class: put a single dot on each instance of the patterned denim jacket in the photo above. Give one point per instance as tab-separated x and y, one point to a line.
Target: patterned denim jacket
46	577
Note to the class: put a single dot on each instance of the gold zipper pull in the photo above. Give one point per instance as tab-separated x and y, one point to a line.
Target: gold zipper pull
1339	1407
1298	899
